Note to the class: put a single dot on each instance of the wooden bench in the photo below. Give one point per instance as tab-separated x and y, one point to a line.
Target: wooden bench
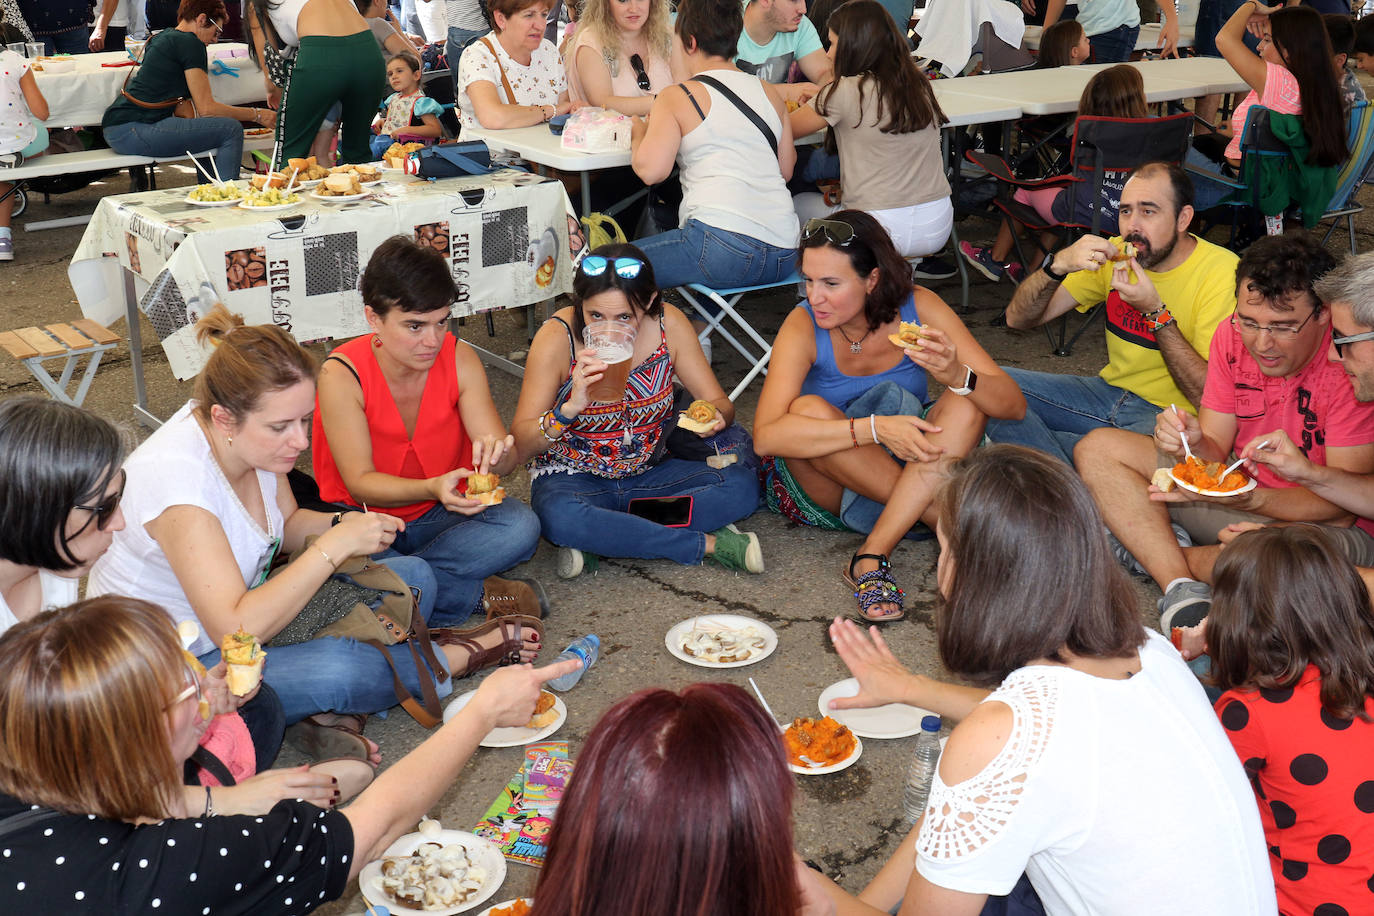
80	338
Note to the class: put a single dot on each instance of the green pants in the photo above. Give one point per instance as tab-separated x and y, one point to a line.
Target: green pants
348	70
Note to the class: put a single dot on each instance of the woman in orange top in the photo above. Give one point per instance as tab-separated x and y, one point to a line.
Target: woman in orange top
404	416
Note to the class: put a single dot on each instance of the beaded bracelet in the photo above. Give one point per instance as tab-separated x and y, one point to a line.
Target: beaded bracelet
550	421
853	437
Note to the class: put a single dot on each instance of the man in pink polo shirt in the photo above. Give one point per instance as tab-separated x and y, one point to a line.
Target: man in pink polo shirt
1268	376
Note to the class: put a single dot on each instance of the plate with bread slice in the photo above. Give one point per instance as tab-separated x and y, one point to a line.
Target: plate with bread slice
549	715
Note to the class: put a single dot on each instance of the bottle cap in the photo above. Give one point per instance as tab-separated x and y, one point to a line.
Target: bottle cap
930	724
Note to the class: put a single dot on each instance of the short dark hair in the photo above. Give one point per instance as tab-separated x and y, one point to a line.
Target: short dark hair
509	8
640	291
870	248
53	457
714	25
403	274
189	10
1180	185
1364	36
410	57
1010	515
1277	265
1340	28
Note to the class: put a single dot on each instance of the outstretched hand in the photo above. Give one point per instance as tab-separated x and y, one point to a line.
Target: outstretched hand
882	678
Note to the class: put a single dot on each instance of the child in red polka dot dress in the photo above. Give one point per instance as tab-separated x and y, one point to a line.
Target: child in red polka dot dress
22	111
1291	637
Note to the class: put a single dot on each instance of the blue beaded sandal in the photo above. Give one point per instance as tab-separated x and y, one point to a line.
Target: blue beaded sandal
877	586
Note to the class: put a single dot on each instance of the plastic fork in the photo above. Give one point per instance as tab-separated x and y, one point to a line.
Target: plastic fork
1240	461
1183	434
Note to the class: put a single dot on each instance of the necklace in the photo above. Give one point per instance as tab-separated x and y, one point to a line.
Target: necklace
855	346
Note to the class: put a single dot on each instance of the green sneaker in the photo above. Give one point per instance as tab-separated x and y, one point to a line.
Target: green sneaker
573	562
737	549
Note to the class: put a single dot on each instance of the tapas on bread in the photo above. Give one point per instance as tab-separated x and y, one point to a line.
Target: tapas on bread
699	417
366	174
243	658
1125	251
822	742
545	713
486	489
908	336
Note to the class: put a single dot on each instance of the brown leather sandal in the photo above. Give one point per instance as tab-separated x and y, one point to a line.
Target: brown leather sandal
319	741
512	629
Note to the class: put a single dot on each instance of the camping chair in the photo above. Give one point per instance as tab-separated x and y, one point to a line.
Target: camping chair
1354	173
1103	150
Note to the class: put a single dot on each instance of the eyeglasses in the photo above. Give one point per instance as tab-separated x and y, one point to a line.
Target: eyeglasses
102	512
594	265
1340	343
193	689
1281	331
214	25
835	231
641	75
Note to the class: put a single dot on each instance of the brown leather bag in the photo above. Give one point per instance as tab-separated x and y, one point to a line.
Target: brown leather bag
182	107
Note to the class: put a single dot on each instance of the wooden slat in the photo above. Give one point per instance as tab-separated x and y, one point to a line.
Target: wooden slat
95	331
40	341
15	347
73	338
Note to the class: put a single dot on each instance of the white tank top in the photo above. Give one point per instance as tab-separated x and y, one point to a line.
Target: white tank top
284	16
730	176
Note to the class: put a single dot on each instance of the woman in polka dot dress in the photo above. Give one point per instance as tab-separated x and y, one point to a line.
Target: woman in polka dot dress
22	134
92	815
1291	637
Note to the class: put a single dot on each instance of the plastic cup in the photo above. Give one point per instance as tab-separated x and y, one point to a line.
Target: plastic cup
17	47
35	49
614	343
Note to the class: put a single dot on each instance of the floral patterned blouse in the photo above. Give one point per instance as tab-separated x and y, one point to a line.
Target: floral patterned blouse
539	83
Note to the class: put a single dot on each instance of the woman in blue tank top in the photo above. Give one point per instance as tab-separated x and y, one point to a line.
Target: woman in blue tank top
856	443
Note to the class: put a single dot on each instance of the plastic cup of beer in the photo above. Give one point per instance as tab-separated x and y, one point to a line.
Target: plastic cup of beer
614	343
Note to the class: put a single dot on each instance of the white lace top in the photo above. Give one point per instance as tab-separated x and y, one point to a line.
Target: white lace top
1119	797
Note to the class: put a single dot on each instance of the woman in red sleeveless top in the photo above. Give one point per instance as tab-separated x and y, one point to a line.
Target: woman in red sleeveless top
404	416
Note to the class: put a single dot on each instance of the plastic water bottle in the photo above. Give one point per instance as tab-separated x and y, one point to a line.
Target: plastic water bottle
922	772
585	649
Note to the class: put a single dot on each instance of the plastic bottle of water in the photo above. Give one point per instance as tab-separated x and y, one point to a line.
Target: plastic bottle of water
922	772
585	649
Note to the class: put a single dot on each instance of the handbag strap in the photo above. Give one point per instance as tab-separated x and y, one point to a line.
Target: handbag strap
462	161
207	761
425	710
738	102
510	93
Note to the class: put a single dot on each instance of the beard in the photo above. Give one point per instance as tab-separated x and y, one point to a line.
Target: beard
1146	254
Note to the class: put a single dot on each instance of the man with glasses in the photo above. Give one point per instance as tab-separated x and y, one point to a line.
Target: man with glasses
1270	384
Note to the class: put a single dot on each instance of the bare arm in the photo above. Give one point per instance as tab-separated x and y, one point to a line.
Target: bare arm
1186	367
102	23
805	120
481	419
494	114
429	127
1040	299
258	38
1231	43
198	81
689	362
654	141
777	430
1352	490
1300	504
1053	10
996	395
817	68
33	96
787	150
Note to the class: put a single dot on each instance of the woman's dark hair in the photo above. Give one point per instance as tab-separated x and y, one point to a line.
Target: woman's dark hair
1340	30
714	25
247	362
1300	38
870	47
1278	265
681	805
1117	92
870	249
1284	598
403	274
53	457
641	291
189	10
1056	42
1032	574
258	9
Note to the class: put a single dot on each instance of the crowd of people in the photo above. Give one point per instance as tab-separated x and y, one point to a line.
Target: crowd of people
134	776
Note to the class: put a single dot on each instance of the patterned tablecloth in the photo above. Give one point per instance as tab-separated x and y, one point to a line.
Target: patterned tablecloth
505	235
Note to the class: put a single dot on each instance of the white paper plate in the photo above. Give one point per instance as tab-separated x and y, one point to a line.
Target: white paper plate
673	640
512	737
244	206
895	720
484	853
1249	485
844	764
337	198
505	903
231	202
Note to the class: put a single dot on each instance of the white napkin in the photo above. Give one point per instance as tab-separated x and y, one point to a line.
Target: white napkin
949	29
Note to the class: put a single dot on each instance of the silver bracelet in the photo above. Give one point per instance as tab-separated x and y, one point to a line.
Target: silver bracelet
873	428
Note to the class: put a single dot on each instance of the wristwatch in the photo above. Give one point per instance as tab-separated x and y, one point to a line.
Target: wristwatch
1047	266
970	382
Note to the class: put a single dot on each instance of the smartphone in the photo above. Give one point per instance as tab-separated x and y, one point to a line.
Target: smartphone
668	511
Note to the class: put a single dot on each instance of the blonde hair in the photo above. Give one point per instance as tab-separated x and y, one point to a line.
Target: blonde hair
83	698
247	362
596	15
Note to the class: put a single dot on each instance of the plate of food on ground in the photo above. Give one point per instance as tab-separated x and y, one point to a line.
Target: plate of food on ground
520	906
549	715
434	872
1203	478
894	720
721	641
270	199
339	187
367	173
818	746
222	194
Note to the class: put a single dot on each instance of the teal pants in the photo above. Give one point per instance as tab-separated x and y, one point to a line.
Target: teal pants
348	70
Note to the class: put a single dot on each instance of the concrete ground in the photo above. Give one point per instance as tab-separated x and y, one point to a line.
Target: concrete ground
849	822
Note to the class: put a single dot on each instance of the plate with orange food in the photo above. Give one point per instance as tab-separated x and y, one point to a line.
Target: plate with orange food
815	747
1201	477
520	906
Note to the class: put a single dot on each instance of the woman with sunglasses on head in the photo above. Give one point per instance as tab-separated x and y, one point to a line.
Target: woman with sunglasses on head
166	107
623	55
594	452
857	442
94	816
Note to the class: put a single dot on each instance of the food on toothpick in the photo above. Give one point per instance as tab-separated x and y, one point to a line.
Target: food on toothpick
699	417
243	658
486	489
908	336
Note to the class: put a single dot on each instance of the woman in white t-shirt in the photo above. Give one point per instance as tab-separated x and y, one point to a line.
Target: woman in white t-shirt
111	25
513	76
623	55
1055	767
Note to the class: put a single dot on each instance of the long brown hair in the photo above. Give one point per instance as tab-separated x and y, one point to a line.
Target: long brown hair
1057	42
1033	574
1284	598
1117	92
247	362
83	698
1305	49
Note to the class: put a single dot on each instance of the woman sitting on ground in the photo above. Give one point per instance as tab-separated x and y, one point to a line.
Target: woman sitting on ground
622	55
513	76
404	418
94	751
1076	709
209	509
885	120
594	451
857	444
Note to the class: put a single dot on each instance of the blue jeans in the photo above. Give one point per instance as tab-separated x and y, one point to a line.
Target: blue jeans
380	143
343	675
592	513
1061	409
1115	45
1211	16
698	253
458	40
462	550
174	136
73	42
1206	192
886	399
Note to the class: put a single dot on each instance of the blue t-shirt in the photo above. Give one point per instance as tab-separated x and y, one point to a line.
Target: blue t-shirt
1098	16
773	62
826	381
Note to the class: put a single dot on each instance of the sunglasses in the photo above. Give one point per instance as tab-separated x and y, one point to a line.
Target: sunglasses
1340	343
641	75
835	231
102	512
594	265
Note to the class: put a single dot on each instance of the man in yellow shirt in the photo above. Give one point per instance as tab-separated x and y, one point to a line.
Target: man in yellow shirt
1162	302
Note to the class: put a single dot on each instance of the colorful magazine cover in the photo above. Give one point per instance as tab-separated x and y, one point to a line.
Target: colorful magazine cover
514	822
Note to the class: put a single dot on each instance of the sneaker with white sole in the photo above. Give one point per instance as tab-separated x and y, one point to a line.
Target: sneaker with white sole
932	269
1132	565
1185	604
6	249
981	260
573	562
737	549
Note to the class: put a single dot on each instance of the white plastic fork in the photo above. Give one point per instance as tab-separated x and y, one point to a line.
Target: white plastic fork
1183	433
1240	461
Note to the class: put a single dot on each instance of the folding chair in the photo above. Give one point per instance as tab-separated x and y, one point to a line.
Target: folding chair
725	300
1354	173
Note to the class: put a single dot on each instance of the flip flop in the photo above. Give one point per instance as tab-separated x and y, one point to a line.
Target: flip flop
512	629
342	739
877	586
